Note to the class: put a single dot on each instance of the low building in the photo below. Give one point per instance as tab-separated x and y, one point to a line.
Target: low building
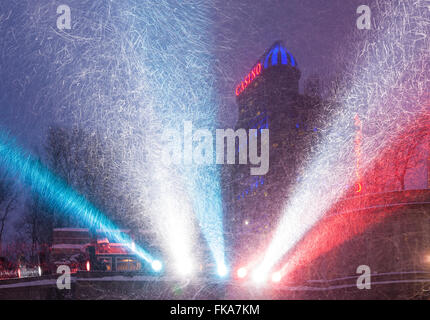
114	256
81	250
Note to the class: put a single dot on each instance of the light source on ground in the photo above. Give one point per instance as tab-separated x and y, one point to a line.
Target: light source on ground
156	265
241	273
276	277
184	268
222	270
259	276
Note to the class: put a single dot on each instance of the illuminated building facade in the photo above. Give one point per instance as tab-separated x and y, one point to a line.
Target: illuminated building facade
268	98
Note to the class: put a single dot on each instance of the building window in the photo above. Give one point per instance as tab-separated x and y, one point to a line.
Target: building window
127	264
107	261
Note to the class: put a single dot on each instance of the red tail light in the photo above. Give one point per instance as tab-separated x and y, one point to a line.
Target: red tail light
88	266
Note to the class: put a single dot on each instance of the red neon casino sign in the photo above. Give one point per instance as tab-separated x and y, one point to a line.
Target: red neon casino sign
255	72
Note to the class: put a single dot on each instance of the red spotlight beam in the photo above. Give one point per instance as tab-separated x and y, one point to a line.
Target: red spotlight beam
352	216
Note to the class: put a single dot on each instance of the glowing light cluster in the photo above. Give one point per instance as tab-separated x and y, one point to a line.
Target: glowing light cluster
384	91
125	71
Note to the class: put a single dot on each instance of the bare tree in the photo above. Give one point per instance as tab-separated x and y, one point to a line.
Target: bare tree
7	201
407	155
86	161
404	154
83	160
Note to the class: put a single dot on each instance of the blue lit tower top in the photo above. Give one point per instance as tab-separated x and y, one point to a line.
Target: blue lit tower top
278	55
276	72
271	86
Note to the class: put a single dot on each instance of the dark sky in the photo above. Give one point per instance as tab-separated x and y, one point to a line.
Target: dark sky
313	30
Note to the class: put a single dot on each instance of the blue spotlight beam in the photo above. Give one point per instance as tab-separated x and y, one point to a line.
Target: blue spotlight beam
58	195
180	72
206	191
